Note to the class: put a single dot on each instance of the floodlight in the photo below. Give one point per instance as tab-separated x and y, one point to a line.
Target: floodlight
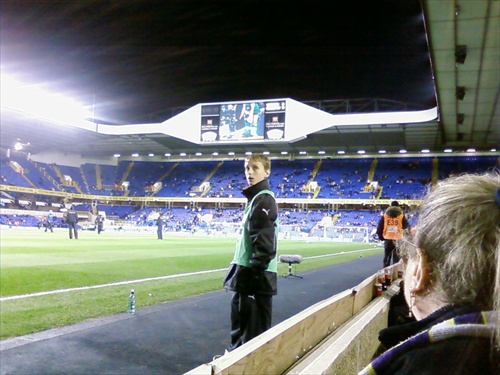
460	92
460	54
40	103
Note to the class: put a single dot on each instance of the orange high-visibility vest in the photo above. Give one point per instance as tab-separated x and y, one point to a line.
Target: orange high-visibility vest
393	227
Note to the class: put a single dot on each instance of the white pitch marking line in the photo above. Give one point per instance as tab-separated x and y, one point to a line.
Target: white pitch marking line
58	291
107	285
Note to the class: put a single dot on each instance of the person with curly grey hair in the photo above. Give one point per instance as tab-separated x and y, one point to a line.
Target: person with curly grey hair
451	284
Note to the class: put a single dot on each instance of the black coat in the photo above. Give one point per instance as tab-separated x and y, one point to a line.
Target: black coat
71	216
262	230
459	355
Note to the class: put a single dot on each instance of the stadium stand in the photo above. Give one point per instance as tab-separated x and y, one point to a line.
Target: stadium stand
300	184
72	178
185	178
226	182
21	171
403	178
289	177
343	178
466	164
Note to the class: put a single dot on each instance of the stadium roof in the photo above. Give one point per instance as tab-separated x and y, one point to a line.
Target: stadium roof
111	55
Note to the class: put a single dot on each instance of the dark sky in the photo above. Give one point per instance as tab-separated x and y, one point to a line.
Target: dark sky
140	57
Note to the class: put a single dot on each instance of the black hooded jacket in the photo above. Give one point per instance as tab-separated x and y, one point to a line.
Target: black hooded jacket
262	232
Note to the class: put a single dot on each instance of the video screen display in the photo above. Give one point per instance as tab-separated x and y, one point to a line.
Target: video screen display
235	122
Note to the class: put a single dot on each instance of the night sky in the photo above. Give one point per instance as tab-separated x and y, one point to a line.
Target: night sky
134	58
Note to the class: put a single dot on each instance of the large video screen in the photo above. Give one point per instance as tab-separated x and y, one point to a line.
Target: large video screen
243	121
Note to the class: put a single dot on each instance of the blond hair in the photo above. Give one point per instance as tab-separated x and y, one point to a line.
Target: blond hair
266	162
458	232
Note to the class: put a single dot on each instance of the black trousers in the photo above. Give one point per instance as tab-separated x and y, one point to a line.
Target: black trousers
250	316
72	229
390	252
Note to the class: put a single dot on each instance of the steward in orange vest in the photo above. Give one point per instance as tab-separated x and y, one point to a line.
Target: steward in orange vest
389	229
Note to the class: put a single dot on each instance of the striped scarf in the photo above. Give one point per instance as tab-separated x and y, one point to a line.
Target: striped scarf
470	325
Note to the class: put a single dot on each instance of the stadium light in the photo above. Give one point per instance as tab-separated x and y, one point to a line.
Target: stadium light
248	153
471	150
460	92
425	151
361	152
182	154
282	153
448	150
40	103
460	54
215	153
230	153
167	154
382	151
302	153
403	151
266	153
135	155
198	154
341	152
116	155
151	154
321	152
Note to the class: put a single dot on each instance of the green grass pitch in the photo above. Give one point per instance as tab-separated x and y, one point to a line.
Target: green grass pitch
92	276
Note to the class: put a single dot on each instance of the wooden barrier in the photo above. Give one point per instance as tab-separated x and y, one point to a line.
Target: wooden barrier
349	349
282	348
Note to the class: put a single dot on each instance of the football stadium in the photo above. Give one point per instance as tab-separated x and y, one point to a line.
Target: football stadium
156	190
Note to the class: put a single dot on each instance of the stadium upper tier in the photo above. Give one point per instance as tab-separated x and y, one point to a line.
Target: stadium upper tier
360	178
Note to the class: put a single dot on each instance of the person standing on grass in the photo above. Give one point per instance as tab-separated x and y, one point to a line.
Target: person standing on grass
49	222
252	275
99	222
72	221
390	229
159	227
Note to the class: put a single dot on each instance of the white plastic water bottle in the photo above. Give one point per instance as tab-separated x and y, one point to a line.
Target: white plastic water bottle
131	302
